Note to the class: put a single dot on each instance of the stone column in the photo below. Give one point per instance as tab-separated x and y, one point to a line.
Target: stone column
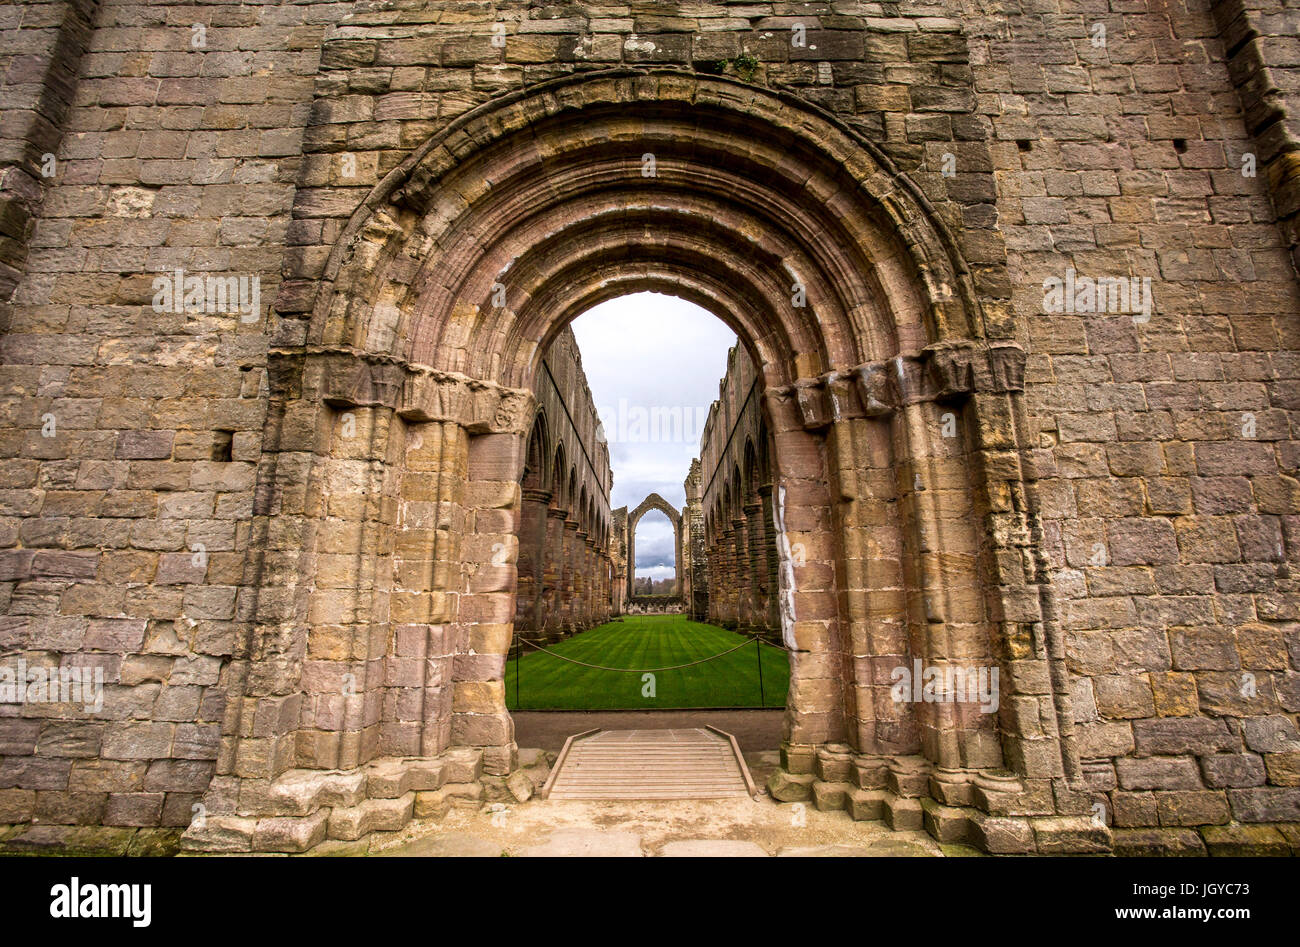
810	601
756	565
568	584
435	457
741	574
727	576
553	576
353	566
532	563
581	582
717	578
607	594
597	584
771	616
590	599
593	585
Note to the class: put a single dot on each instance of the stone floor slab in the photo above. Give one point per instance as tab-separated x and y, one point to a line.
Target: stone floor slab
712	848
450	845
884	848
582	843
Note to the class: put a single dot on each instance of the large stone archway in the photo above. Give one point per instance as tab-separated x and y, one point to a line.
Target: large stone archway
401	406
653	502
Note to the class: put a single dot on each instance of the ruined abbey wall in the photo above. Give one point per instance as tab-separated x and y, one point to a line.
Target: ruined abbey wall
563	565
736	505
184	491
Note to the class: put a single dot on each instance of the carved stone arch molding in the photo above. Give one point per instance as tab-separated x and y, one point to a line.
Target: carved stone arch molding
653	502
401	370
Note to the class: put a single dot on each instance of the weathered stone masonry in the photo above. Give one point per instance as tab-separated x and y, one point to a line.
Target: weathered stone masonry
654	502
282	539
738	507
564	582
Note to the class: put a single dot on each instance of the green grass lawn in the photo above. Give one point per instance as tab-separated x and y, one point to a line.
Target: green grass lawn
647	641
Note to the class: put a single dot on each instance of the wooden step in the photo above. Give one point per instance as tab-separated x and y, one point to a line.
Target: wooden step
694	763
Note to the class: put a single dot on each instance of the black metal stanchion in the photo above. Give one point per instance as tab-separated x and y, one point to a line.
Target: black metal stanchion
758	653
519	670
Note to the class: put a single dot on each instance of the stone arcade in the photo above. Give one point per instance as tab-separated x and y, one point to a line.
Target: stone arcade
299	547
564	572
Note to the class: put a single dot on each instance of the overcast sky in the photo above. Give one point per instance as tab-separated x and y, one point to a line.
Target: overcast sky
653	363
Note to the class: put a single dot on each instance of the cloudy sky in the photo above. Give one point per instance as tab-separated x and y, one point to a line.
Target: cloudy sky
653	363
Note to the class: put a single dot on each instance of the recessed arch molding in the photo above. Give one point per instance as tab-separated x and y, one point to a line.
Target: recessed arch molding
427	326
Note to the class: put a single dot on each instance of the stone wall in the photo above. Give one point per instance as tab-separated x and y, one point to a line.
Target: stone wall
1164	446
186	497
128	511
41	45
695	561
618	560
1262	48
654	502
564	578
736	506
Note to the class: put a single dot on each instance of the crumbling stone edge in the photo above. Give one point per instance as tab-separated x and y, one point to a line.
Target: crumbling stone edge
318	812
997	813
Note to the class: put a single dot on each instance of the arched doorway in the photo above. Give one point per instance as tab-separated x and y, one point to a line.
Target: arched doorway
895	543
653	502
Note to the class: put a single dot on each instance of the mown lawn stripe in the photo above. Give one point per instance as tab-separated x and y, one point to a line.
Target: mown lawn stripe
638	641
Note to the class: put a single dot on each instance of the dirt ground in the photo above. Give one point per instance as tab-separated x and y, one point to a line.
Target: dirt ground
729	828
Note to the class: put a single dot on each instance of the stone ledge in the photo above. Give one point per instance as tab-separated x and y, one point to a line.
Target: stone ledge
303	808
303	792
1071	835
373	815
897	803
88	840
1164	842
1236	840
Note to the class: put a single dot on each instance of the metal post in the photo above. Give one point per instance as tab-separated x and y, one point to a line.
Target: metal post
758	653
519	667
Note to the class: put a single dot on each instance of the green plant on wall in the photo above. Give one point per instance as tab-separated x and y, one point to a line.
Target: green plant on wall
746	66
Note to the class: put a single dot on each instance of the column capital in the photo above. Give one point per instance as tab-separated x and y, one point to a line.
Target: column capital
943	372
345	377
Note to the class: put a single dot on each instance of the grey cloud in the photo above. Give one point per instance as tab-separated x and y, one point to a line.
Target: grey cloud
651	351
